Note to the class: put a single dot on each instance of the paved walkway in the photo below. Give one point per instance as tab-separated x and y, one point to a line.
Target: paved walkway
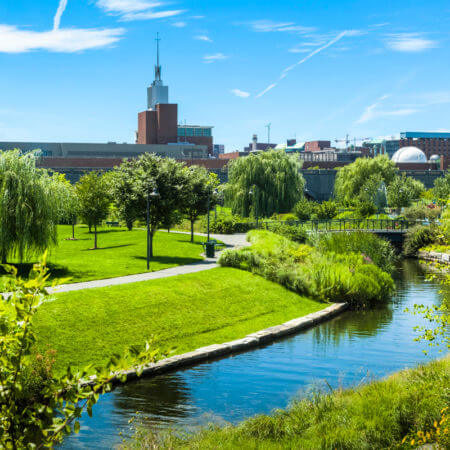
231	240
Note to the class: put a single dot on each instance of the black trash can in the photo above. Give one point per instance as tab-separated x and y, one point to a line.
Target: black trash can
210	246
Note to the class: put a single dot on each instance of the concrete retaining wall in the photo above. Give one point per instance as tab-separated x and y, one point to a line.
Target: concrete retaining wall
250	341
443	258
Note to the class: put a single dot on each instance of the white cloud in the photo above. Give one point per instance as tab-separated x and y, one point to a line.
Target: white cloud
179	24
136	9
409	42
197	17
239	93
306	58
59	12
203	38
266	26
208	59
373	112
69	40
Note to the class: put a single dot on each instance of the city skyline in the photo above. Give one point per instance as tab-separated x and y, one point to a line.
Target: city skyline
79	72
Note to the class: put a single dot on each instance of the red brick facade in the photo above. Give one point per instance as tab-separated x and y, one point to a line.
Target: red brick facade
430	146
158	126
316	146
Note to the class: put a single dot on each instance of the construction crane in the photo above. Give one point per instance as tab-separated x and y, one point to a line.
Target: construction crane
347	141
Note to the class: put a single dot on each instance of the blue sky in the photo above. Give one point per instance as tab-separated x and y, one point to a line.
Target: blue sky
77	71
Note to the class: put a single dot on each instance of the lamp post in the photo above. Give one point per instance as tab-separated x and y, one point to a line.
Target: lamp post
153	194
209	200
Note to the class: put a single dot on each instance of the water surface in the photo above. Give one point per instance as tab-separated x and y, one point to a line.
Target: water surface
349	349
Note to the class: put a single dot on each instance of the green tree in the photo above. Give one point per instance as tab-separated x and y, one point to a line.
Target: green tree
29	206
199	194
360	180
93	197
124	192
441	188
69	202
403	190
327	210
37	408
303	209
169	179
274	180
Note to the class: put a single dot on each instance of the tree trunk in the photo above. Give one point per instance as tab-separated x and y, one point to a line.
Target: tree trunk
90	228
73	230
129	225
192	230
95	237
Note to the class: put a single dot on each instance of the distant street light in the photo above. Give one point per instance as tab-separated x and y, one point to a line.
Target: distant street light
153	194
252	192
215	192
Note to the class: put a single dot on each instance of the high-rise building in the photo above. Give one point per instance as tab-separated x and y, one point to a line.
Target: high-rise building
159	123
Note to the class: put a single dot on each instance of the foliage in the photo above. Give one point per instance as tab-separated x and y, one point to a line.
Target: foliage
30	206
441	189
199	190
183	312
326	210
295	233
123	189
403	190
274	179
422	212
353	179
324	276
375	415
418	237
365	209
93	198
40	411
377	250
303	209
229	224
289	218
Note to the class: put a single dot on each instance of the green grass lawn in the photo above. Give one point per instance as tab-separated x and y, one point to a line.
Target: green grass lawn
378	415
185	312
120	252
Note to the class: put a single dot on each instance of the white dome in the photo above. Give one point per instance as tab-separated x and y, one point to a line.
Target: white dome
435	158
409	155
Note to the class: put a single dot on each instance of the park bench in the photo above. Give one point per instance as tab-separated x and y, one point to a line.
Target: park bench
112	224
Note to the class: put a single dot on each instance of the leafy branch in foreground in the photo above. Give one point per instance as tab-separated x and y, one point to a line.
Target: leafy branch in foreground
38	409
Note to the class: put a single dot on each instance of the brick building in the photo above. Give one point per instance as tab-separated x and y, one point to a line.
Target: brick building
317	146
429	143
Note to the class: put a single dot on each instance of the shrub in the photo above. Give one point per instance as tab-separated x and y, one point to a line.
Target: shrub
229	225
327	210
422	212
295	233
303	209
418	237
366	209
290	219
380	251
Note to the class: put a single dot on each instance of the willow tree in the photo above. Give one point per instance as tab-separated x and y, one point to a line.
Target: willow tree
30	206
264	183
363	178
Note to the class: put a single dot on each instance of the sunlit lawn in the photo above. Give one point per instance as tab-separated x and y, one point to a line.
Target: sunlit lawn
120	252
185	311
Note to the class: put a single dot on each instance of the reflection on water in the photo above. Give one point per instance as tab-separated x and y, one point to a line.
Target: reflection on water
344	351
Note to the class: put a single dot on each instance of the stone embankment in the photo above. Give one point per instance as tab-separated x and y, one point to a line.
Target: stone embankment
250	341
442	258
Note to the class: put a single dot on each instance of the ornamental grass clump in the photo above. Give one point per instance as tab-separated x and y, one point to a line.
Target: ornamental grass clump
306	270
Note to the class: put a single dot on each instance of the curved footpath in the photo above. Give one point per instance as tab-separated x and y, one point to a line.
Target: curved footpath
230	240
213	351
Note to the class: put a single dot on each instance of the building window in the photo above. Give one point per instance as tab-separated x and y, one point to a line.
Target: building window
207	132
181	132
189	132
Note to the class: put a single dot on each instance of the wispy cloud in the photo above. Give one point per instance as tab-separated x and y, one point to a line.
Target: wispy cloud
239	93
179	24
409	42
129	10
303	60
266	26
208	59
59	12
16	40
203	38
374	112
65	40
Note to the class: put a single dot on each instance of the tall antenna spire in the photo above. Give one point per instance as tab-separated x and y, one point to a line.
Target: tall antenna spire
157	67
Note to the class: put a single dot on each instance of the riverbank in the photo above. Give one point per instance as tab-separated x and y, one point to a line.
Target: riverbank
377	415
183	312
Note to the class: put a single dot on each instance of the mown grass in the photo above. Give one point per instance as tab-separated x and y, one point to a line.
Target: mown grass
121	252
185	312
375	416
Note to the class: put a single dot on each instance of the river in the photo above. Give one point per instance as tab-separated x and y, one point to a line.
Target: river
353	347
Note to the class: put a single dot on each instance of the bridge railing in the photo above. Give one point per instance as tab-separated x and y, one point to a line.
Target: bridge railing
375	225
